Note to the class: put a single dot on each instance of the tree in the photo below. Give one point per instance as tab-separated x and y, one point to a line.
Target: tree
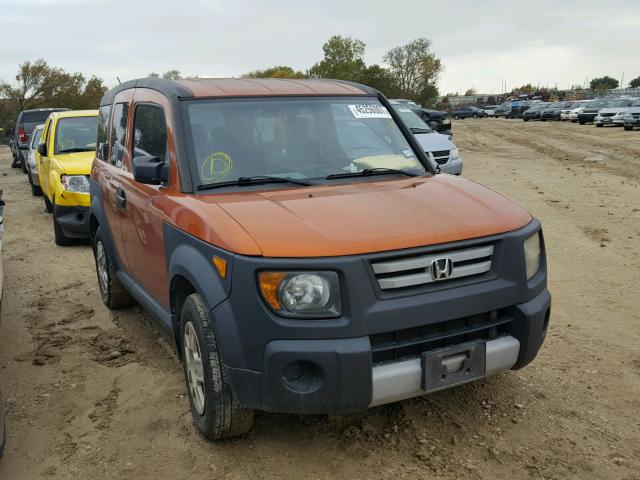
415	69
36	83
168	75
604	83
470	91
381	79
635	83
527	88
93	92
343	59
279	71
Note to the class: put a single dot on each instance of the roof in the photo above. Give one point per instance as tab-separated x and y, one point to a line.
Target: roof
242	87
75	113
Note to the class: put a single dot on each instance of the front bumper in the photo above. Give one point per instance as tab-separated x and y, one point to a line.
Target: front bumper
347	364
74	220
600	120
452	167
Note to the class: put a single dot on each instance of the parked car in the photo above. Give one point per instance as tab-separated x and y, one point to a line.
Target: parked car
404	101
517	108
534	112
502	109
360	277
613	113
632	116
437	146
27	120
467	112
490	110
571	113
32	161
435	119
66	153
552	112
13	145
589	112
3	427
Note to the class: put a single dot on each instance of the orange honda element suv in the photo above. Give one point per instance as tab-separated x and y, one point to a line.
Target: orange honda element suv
303	251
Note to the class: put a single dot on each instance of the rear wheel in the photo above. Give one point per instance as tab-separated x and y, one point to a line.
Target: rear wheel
214	407
36	191
582	122
599	125
112	293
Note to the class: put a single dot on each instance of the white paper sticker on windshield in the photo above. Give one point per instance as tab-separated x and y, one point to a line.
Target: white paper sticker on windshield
369	111
405	110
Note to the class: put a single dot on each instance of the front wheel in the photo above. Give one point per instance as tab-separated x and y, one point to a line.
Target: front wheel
628	128
214	407
599	125
112	293
48	206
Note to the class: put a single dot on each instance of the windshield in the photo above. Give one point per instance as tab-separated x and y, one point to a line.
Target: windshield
636	103
299	138
411	120
76	134
35	138
598	104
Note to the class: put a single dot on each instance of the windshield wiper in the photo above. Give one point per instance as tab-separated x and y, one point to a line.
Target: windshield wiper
371	171
255	180
420	130
76	149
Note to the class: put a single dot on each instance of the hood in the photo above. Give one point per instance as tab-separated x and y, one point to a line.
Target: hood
433	142
78	163
363	217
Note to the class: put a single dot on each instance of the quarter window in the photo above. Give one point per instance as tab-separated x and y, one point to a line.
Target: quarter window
150	132
103	133
119	133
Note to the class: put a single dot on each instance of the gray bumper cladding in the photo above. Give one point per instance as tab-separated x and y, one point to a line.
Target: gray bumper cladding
402	380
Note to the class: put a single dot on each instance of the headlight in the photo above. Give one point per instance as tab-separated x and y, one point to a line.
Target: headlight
75	183
455	154
302	294
532	253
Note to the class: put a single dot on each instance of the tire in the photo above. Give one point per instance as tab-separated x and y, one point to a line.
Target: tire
628	128
475	115
599	125
525	119
24	167
48	206
214	407
61	239
112	293
36	191
456	117
582	122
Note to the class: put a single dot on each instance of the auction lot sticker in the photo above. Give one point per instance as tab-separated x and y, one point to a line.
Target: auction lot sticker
369	111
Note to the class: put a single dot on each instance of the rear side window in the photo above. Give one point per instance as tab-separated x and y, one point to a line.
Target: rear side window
103	133
150	132
119	133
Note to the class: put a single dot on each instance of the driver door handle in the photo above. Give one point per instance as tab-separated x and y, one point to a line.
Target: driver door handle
121	199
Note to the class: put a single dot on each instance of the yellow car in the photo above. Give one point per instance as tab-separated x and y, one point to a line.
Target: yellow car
64	157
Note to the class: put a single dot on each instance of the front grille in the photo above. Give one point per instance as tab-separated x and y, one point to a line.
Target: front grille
607	114
636	115
399	345
417	270
441	156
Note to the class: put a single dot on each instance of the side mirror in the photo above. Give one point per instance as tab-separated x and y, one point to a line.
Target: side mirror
42	149
150	170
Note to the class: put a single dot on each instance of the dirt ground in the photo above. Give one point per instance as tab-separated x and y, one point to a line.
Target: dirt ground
77	411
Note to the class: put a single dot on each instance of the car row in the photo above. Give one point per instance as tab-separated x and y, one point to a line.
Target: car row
298	242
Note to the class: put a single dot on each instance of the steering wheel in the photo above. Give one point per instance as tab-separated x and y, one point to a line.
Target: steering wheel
66	144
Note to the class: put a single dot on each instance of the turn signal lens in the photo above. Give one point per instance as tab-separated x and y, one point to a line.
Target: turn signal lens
270	287
221	266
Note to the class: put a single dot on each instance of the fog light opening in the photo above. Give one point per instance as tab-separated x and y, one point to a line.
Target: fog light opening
79	216
302	376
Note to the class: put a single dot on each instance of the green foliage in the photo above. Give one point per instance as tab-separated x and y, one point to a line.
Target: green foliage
604	83
635	83
41	85
527	88
168	75
471	91
415	69
279	71
343	60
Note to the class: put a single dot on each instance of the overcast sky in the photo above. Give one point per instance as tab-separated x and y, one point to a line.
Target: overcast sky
480	43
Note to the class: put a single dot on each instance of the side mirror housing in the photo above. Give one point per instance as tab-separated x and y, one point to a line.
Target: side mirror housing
150	170
42	149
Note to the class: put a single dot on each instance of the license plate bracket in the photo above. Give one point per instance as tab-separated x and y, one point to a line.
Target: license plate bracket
454	365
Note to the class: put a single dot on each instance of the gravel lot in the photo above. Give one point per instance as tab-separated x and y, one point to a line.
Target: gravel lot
76	410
